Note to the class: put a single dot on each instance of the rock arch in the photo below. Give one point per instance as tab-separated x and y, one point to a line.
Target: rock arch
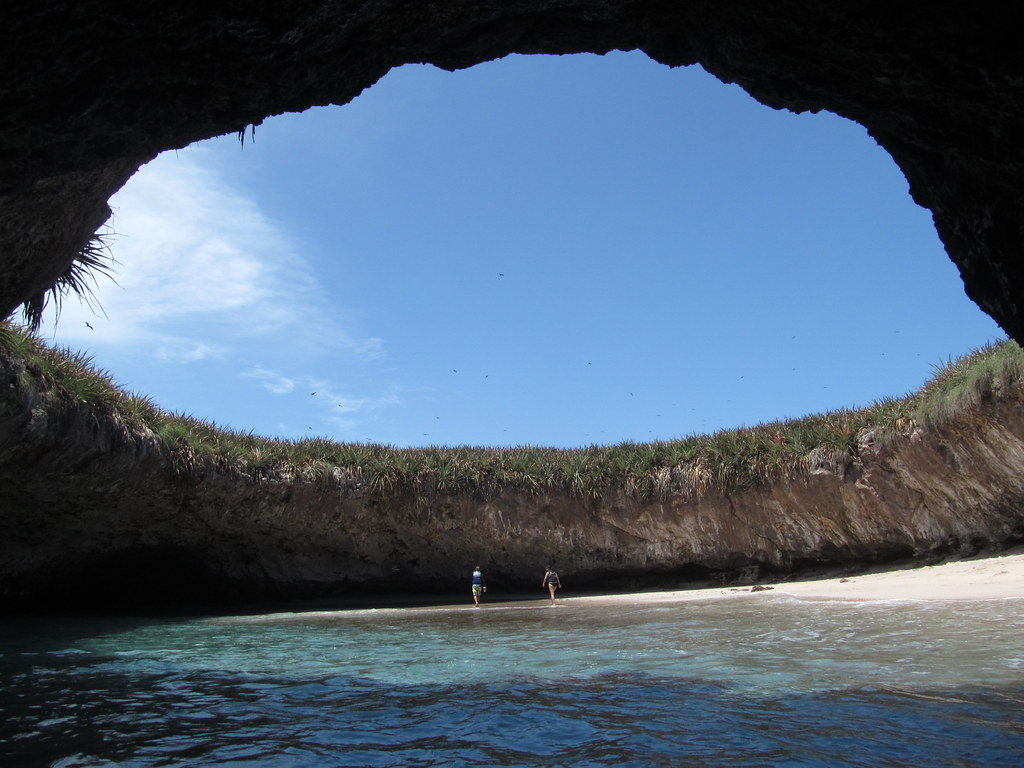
94	89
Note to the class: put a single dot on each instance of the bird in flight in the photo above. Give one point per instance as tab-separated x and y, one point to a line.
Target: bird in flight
89	326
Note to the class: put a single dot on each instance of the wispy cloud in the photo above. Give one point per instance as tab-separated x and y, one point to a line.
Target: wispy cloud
181	351
335	408
274	382
208	293
199	269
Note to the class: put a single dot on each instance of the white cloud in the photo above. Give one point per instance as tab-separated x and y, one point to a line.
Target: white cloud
182	351
209	291
273	381
336	407
199	270
342	411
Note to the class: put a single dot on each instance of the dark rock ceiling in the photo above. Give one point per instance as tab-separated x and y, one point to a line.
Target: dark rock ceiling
93	89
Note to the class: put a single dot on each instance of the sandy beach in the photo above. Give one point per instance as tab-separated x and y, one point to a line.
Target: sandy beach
983	578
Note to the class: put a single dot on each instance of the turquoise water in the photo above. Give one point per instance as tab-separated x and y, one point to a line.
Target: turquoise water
750	682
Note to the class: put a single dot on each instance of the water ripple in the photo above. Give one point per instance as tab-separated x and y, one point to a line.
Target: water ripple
776	684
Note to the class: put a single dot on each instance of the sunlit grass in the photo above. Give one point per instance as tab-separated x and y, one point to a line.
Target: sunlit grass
695	465
969	381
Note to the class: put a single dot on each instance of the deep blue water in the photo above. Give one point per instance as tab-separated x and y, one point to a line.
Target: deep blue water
752	682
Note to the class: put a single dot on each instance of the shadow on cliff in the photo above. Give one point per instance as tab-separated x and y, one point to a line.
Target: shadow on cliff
113	507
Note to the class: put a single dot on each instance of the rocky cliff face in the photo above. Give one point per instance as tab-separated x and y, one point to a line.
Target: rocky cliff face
95	516
93	89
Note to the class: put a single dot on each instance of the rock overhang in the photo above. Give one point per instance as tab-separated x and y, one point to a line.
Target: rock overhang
95	89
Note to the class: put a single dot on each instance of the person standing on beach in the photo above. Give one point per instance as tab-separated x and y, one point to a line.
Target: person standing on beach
478	585
553	582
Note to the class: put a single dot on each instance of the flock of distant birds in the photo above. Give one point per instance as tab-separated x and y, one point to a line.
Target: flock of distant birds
455	370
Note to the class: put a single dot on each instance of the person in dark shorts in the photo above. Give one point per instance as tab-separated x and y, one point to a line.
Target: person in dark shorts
552	581
479	586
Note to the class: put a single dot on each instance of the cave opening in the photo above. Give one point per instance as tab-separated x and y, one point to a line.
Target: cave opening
540	250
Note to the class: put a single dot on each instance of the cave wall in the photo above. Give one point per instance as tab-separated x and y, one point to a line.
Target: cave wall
93	89
96	516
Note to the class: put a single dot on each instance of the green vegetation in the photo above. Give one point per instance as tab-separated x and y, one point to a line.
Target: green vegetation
93	259
728	460
969	381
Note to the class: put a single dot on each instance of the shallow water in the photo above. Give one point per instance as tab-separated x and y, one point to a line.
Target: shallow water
752	682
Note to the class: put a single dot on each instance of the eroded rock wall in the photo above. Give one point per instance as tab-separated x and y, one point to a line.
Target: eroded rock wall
97	517
93	89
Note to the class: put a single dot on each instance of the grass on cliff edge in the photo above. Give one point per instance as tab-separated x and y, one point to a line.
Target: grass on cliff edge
68	386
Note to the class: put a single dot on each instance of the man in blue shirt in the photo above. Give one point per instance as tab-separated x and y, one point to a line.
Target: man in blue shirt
478	585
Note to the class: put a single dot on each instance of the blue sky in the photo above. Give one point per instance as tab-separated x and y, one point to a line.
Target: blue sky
539	250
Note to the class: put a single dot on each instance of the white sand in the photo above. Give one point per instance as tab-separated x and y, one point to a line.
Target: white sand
985	578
